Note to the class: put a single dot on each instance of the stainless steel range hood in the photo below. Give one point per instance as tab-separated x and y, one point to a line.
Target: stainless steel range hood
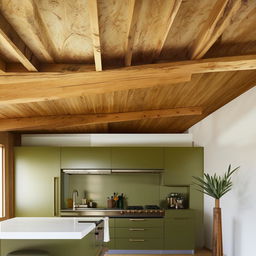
109	171
86	171
137	171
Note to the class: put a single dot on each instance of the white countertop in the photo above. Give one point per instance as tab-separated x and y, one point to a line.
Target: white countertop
46	228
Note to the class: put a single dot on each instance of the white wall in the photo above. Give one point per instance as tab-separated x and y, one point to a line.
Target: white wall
229	137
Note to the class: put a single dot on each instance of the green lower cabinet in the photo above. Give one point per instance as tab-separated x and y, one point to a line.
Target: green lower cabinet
86	246
139	243
179	234
138	234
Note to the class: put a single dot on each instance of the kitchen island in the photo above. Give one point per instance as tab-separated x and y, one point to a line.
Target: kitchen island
58	236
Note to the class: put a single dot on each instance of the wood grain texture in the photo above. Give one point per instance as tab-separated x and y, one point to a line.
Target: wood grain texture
172	10
219	19
211	91
134	8
95	31
14	45
56	86
58	34
27	22
62	85
65	121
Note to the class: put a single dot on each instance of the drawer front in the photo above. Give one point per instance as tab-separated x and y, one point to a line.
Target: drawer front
139	232
138	222
139	244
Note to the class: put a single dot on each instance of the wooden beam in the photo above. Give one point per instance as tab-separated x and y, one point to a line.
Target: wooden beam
174	8
218	20
134	7
49	122
94	21
22	88
33	87
11	41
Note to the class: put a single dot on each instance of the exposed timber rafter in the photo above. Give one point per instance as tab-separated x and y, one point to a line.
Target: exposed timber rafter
61	121
133	15
95	31
218	20
14	44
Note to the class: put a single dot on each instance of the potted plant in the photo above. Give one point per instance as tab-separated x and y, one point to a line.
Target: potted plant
216	186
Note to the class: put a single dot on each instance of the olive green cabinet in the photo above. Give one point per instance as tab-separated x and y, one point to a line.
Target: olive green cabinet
179	230
137	234
37	171
94	158
137	158
181	164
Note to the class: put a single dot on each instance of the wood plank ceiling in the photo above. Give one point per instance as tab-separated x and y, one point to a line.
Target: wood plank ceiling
119	66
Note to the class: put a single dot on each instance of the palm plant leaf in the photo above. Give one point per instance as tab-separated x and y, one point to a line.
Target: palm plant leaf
215	186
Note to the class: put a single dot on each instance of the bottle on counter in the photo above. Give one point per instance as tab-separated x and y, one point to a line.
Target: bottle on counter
120	202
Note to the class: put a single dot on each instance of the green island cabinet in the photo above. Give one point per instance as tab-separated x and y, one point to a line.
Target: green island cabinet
37	172
181	164
80	157
137	158
88	246
179	230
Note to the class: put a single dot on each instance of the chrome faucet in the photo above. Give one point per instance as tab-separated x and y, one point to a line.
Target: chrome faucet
75	195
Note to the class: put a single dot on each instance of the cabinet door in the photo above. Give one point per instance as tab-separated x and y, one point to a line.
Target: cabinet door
36	186
181	164
179	234
85	158
137	158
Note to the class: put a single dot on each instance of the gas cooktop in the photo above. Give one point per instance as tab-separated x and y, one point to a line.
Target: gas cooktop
135	211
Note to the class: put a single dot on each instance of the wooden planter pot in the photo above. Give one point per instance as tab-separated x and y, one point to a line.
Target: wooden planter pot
217	230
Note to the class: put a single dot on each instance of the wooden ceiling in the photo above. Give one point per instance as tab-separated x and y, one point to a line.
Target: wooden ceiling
122	66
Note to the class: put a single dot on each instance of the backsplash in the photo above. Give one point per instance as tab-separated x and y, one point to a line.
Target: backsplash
138	189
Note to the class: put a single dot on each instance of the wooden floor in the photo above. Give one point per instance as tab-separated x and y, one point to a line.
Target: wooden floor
198	253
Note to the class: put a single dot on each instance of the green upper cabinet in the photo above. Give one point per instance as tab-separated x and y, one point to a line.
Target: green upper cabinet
137	158
37	172
181	164
85	157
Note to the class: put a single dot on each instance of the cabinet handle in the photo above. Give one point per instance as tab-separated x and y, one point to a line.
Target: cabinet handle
136	240
136	229
137	219
181	218
56	196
